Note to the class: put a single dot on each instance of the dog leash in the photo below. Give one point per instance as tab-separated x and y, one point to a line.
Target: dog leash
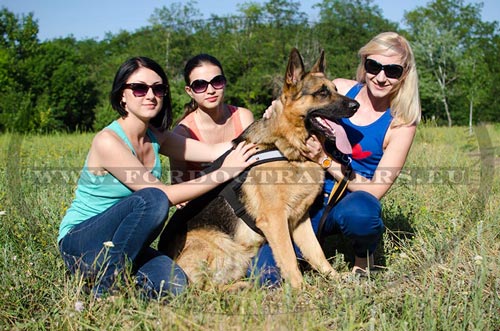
335	195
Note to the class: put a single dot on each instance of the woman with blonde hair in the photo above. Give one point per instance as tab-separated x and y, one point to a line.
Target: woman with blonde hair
380	133
405	99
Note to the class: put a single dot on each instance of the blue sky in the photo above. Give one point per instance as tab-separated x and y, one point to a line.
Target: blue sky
94	18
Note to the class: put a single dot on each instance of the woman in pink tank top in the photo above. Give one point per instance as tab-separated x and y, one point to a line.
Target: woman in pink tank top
206	117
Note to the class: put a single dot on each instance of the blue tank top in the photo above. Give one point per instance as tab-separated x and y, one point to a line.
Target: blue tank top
96	193
367	141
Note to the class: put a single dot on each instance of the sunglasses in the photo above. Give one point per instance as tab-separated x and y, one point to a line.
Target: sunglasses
141	89
201	85
390	70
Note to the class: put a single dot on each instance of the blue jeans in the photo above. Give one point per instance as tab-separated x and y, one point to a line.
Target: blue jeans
357	216
131	226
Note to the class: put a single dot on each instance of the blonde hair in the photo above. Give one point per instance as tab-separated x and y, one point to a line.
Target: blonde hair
405	99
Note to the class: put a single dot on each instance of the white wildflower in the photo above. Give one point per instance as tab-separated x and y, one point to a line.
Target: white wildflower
108	244
403	255
3	213
478	259
79	307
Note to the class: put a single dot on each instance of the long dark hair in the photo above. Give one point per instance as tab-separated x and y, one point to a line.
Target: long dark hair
194	62
163	120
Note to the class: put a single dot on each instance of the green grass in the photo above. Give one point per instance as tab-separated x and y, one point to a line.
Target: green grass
441	248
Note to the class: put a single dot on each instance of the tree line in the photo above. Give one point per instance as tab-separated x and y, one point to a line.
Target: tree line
63	84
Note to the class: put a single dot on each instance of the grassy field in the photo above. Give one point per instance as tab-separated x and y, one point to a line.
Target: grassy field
441	250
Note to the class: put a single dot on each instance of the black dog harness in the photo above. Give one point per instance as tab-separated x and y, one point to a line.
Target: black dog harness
232	191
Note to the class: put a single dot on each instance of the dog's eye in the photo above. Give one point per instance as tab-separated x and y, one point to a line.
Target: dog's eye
323	92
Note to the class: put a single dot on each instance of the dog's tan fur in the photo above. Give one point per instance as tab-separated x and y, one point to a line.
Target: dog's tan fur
278	194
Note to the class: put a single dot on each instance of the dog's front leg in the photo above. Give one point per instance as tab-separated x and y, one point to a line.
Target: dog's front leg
275	229
306	240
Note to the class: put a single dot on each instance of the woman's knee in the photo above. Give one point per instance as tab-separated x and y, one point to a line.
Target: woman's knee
156	201
176	280
161	276
359	214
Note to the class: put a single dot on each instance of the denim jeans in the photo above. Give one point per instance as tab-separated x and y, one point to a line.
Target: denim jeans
100	247
357	216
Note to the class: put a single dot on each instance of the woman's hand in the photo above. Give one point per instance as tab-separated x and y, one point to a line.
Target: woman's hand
276	106
239	159
316	152
181	205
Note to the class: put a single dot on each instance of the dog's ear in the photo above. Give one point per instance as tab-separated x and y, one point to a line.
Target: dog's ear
320	65
294	69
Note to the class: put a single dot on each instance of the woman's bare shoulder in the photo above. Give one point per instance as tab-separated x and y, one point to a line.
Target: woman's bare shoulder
344	85
246	116
106	139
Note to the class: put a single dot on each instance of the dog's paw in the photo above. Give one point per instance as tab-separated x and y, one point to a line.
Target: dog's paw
333	275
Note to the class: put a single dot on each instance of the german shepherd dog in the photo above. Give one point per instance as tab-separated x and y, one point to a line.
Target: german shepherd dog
211	243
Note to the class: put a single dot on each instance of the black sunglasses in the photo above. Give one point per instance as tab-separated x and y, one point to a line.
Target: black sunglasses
390	70
141	89
201	85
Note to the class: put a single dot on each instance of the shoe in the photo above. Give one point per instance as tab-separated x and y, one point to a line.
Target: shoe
375	269
360	272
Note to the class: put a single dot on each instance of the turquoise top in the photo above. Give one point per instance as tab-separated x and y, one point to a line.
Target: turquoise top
96	193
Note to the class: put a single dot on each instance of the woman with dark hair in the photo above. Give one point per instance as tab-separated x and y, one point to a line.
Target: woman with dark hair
120	204
206	117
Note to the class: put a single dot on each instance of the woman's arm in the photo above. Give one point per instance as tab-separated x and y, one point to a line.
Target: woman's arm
186	149
178	167
123	165
399	141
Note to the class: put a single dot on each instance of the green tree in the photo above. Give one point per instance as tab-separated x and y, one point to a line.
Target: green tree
18	43
46	85
18	33
346	25
255	50
65	95
64	84
445	35
485	54
174	26
439	55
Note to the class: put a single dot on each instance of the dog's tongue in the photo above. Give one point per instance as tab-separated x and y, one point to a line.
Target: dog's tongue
341	140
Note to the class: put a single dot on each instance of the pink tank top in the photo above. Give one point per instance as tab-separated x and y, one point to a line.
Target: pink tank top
194	132
193	168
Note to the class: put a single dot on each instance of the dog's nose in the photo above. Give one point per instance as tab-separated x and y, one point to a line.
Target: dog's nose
353	105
